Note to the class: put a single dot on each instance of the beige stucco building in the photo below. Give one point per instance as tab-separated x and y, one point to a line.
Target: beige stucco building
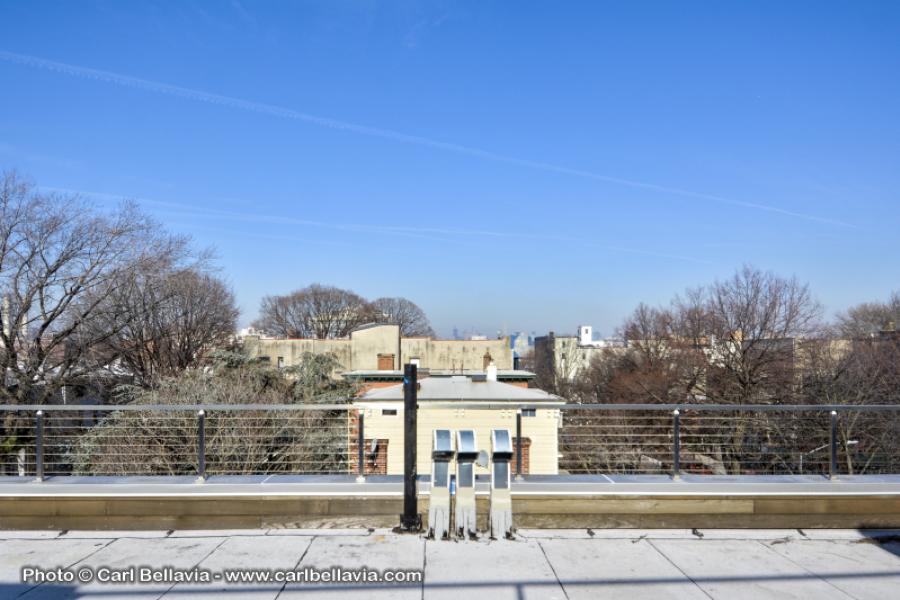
458	402
381	347
562	357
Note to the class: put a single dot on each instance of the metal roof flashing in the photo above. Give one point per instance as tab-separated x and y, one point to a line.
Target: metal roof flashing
459	388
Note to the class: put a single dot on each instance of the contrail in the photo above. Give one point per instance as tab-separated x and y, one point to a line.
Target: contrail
428	233
389	134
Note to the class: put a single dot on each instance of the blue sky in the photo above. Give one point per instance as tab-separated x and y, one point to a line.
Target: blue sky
528	165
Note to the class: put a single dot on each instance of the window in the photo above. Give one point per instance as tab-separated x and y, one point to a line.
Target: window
529	412
466	475
388	412
441	474
280	362
501	475
265	359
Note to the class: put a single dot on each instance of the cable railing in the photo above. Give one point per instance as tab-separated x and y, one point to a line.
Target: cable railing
178	440
597	439
730	439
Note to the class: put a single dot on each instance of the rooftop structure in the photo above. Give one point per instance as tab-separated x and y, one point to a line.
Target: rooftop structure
478	402
382	348
462	388
369	379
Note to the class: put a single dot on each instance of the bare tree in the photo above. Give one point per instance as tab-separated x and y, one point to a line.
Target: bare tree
861	371
737	341
60	259
664	360
869	318
166	322
317	311
405	313
756	319
237	442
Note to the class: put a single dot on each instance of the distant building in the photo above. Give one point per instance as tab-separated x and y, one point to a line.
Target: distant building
437	395
522	345
563	357
375	354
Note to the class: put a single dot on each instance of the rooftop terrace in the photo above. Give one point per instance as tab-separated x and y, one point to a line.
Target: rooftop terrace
545	564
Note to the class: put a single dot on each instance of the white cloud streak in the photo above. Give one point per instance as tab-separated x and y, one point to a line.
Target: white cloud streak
388	134
427	233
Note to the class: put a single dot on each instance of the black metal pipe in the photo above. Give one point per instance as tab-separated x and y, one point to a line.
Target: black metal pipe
519	444
39	446
676	444
410	520
201	444
832	472
361	446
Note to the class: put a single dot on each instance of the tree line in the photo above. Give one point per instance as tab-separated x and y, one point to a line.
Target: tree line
754	338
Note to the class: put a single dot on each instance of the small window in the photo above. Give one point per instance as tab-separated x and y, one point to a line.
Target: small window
466	474
529	412
501	475
280	362
441	474
389	412
265	359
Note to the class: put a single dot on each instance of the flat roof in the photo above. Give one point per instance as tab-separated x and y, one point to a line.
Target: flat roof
462	388
424	372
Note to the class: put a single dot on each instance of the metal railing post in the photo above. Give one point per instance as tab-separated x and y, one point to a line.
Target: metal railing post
519	476
39	446
201	445
832	470
361	448
676	444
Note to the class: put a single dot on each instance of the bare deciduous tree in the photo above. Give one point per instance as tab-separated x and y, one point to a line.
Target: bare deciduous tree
738	341
755	319
237	442
317	311
60	259
405	313
869	318
166	322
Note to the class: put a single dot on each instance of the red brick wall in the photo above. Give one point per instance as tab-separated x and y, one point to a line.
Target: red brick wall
375	464
526	456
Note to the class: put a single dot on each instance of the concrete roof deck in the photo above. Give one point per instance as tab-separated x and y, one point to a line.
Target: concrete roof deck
539	564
